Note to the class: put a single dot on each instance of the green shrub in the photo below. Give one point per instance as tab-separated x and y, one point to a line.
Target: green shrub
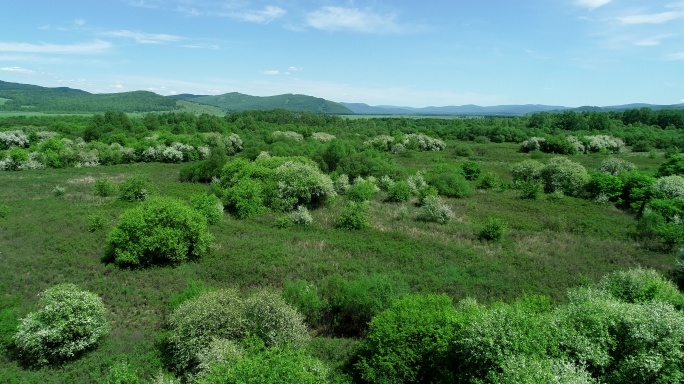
96	221
270	365
426	192
352	304
604	186
4	210
69	321
160	231
193	289
494	229
200	320
304	297
104	187
208	205
641	286
245	198
362	191
136	188
274	321
122	373
399	192
9	321
471	170
450	184
489	181
435	210
410	342
354	216
674	165
301	184
463	150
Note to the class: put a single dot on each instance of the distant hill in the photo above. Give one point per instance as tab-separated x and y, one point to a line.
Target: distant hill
25	97
462	110
238	102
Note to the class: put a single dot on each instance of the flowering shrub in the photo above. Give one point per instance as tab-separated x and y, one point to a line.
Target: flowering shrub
170	155
604	143
301	216
381	142
341	184
10	139
435	210
287	135
160	231
301	184
613	166
274	321
577	144
423	142
322	137
531	144
561	174
416	182
669	187
68	322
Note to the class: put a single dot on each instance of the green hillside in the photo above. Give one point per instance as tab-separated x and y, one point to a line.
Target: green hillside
238	102
32	98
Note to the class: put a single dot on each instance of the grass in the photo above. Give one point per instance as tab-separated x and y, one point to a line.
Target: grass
551	245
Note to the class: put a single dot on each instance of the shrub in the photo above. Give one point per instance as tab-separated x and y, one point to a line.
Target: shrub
301	216
354	216
208	206
198	321
4	210
520	369
219	351
614	166
494	229
352	304
304	297
526	170
302	184
245	198
463	150
531	144
669	187
342	184
489	181
270	365
674	165
471	170
561	174
274	321
434	210
104	187
69	321
362	191
530	189
122	373
604	186
399	192
161	231
135	188
58	191
410	342
96	221
641	286
450	184
426	192
604	143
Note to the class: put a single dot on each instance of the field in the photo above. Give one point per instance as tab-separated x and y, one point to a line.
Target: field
552	245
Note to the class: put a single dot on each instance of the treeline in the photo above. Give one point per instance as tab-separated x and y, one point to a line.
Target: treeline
66	100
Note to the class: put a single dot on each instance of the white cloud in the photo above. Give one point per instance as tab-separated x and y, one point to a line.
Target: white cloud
295	69
653	18
352	19
144	38
271	72
94	47
675	56
17	70
264	16
592	4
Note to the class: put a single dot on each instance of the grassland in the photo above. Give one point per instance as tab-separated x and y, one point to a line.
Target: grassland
45	239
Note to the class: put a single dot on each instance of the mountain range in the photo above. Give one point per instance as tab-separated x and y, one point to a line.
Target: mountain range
33	98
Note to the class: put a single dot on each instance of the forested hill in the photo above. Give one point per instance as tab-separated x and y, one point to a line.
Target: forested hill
29	98
238	102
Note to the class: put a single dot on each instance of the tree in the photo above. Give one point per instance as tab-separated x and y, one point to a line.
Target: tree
68	322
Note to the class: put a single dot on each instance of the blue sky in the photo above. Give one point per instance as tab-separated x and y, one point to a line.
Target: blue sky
401	52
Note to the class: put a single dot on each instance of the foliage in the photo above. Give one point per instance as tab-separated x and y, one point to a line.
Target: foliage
450	184
245	198
526	170
362	191
604	143
399	192
471	170
641	286
301	216
521	369
207	205
274	321
136	188
302	184
489	180
354	216
410	342
69	321
104	187
562	174
494	229
435	210
304	296
669	187
614	166
160	231
604	186
122	373
674	165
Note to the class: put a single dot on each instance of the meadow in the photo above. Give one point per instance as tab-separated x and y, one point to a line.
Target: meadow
54	227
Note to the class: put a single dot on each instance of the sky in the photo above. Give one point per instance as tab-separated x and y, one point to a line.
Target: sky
380	52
